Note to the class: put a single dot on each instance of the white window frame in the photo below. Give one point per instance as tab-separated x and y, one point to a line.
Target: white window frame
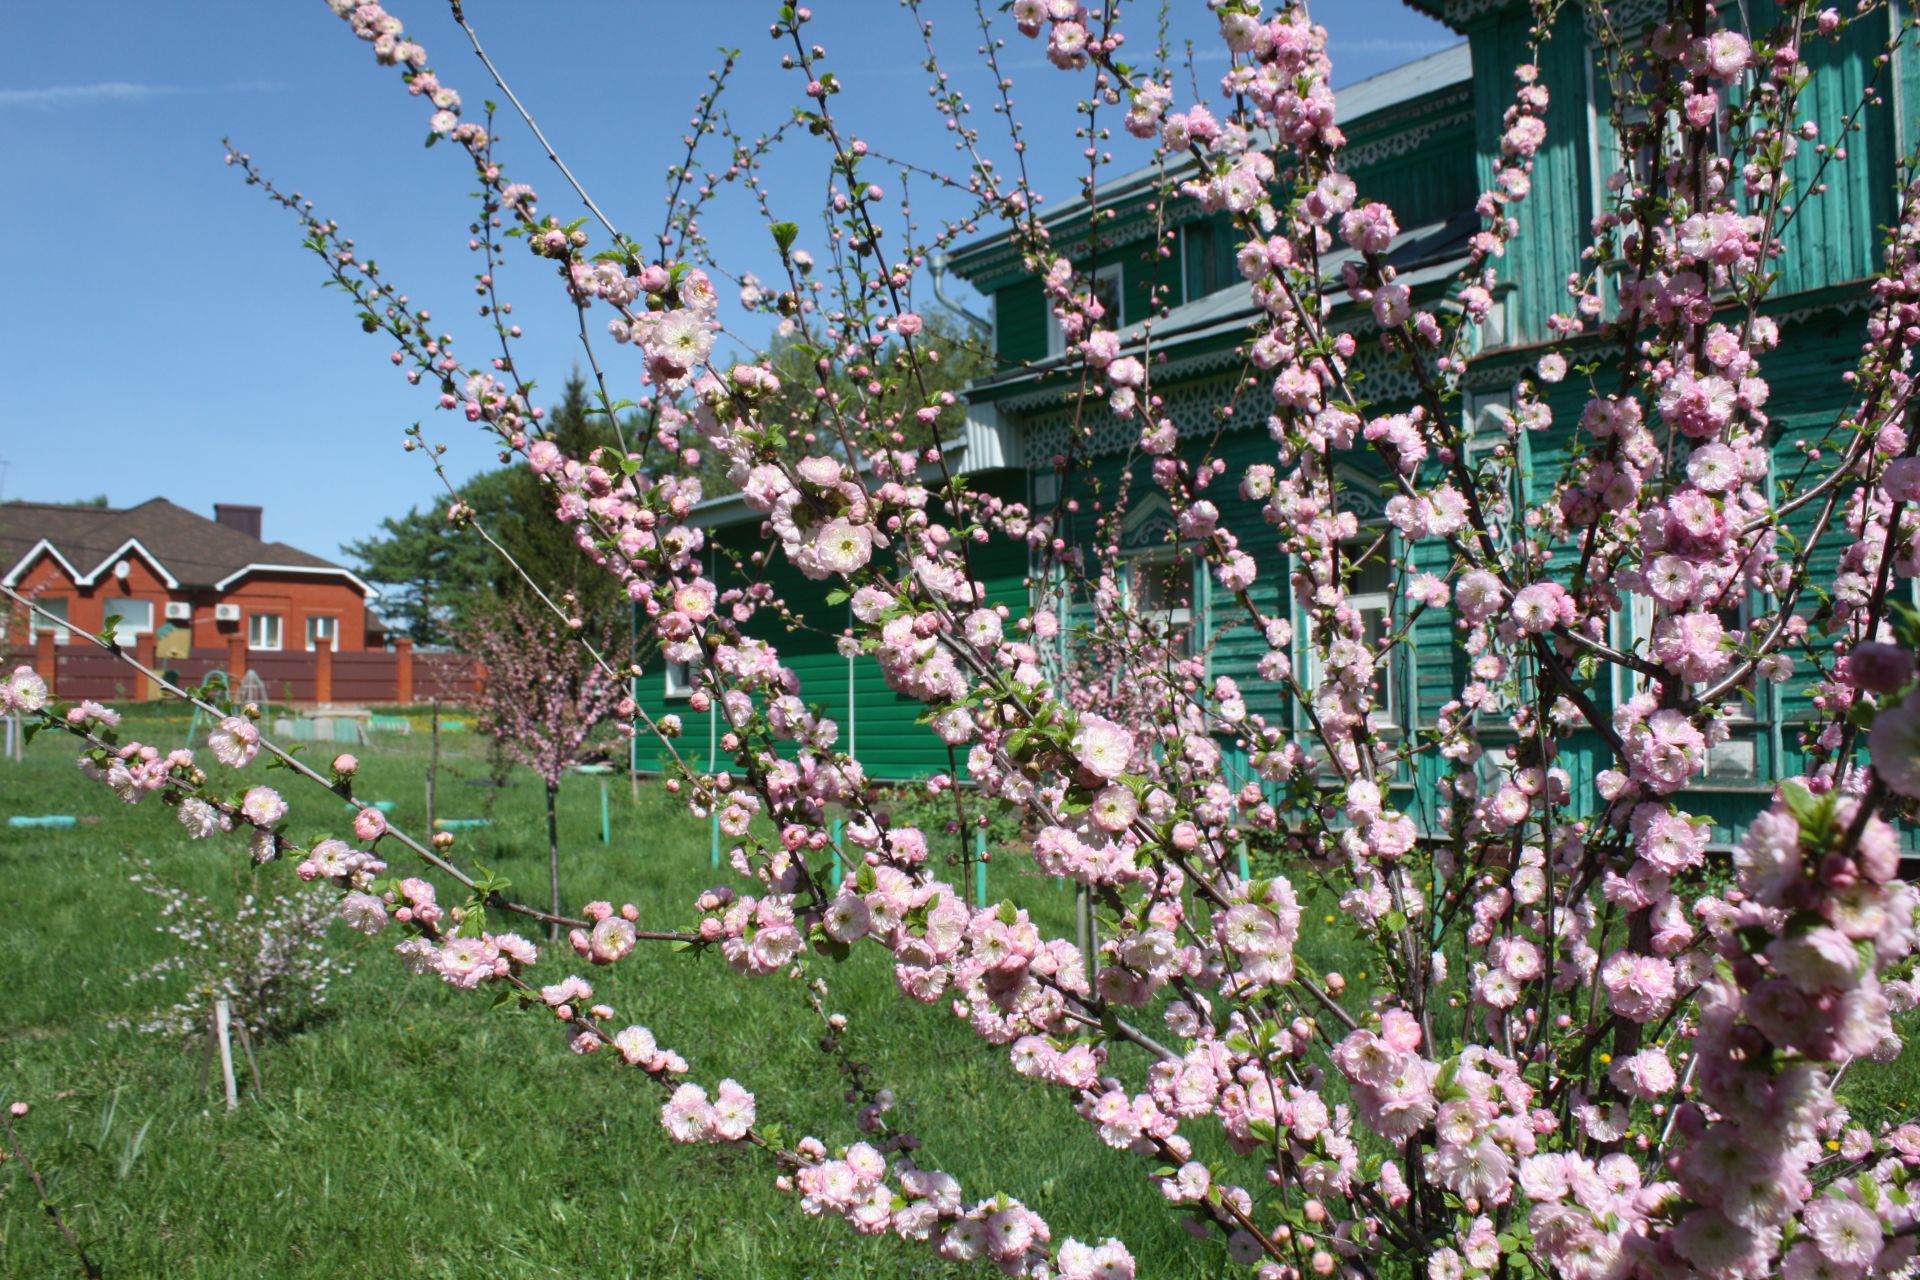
332	621
1481	433
1173	619
256	633
678	680
62	605
125	627
1636	627
1381	602
1115	319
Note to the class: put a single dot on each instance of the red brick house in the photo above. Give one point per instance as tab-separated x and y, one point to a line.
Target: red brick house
190	582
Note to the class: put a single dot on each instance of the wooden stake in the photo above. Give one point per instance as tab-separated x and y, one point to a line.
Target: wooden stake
223	1028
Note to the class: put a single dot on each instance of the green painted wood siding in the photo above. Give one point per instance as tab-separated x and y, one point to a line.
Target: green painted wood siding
876	724
1554	218
1020	322
1835	237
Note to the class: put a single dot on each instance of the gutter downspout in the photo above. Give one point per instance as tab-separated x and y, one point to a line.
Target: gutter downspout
937	269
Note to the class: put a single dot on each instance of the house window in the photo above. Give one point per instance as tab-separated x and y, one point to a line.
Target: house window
1370	594
679	680
129	617
58	608
1485	429
1199	261
263	631
1745	704
323	630
1160	592
1109	291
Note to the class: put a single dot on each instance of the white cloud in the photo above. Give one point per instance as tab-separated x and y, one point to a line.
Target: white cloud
116	91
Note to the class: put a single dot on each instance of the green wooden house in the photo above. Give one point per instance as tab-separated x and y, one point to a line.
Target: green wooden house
1425	138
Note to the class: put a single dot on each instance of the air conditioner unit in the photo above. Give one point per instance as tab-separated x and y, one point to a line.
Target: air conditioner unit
179	611
226	613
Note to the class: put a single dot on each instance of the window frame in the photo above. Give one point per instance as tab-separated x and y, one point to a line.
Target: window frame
1387	718
279	622
677	680
124	627
1208	248
63	632
1115	319
1189	617
333	638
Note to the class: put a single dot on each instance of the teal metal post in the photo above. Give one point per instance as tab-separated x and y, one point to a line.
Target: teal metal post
606	819
980	866
1241	852
716	839
839	869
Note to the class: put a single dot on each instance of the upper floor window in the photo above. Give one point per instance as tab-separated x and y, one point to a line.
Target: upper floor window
1109	290
264	631
129	617
1200	272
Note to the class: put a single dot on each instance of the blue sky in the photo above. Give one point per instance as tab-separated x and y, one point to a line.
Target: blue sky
164	333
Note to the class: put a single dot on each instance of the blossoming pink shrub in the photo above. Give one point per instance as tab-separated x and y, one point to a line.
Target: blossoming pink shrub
1587	1042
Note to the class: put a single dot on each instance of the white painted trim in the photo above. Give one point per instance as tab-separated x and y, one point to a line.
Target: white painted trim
333	641
119	553
279	633
372	592
21	565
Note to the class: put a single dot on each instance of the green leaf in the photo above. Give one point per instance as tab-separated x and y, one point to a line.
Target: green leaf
784	234
1801	803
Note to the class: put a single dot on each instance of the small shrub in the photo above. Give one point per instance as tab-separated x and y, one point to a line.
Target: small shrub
267	954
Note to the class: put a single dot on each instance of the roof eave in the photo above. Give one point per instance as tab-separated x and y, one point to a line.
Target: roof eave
308	570
1435	9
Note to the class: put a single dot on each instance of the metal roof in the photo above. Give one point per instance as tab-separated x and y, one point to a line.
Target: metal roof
1451	65
1422	255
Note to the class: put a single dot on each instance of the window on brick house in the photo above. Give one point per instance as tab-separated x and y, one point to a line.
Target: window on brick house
36	624
323	630
264	631
129	617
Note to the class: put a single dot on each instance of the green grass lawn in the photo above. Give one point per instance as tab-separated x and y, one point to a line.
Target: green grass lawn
414	1131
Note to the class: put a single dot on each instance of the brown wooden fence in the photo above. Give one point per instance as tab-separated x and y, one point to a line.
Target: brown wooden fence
386	676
